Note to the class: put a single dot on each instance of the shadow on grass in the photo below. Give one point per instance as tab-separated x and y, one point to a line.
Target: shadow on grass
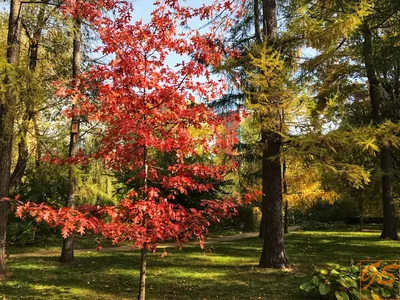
227	271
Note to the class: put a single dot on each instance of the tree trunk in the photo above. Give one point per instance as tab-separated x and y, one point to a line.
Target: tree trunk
7	117
286	221
389	216
269	20
389	230
285	191
273	253
257	21
142	280
4	209
67	252
262	225
23	154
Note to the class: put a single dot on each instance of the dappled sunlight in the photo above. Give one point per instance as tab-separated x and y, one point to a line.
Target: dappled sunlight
229	270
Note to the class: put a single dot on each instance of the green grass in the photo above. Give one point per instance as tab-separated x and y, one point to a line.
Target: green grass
227	271
53	243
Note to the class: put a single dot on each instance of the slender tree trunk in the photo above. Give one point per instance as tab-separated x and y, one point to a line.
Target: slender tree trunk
67	252
389	216
38	156
285	191
23	154
270	27
7	116
286	221
142	280
257	21
273	253
361	209
4	209
389	230
143	256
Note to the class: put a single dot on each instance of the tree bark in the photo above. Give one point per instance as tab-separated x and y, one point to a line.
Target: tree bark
67	251
270	27
389	230
142	280
257	21
389	216
286	220
262	225
273	254
7	116
285	190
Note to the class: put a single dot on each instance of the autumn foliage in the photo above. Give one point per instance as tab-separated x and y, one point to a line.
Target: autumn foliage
146	106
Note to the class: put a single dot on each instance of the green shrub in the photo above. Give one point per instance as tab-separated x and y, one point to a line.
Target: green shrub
315	225
28	231
343	283
324	211
248	218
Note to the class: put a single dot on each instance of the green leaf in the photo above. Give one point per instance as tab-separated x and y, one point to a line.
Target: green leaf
308	286
385	293
316	280
344	282
334	272
323	271
375	296
324	288
347	282
333	266
355	294
341	295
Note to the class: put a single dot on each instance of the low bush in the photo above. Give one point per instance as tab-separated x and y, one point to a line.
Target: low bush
315	225
344	283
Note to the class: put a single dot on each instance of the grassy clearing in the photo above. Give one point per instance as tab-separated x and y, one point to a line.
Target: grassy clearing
53	243
227	271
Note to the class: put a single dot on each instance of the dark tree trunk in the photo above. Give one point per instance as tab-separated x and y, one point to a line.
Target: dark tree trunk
4	209
67	252
38	156
389	230
7	125
273	254
286	221
257	21
142	280
285	191
262	225
23	154
269	20
389	216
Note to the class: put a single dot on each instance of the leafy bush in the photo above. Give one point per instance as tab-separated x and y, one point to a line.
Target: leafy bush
315	225
28	231
343	283
248	218
324	211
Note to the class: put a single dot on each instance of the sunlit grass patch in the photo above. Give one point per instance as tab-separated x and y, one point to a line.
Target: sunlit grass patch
222	271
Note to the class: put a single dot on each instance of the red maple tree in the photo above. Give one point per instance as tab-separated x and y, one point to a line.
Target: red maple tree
147	106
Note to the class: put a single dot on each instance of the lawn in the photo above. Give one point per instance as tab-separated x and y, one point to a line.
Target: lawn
226	270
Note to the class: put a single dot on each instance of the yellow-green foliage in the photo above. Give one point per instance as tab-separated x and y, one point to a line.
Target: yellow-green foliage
323	23
268	88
